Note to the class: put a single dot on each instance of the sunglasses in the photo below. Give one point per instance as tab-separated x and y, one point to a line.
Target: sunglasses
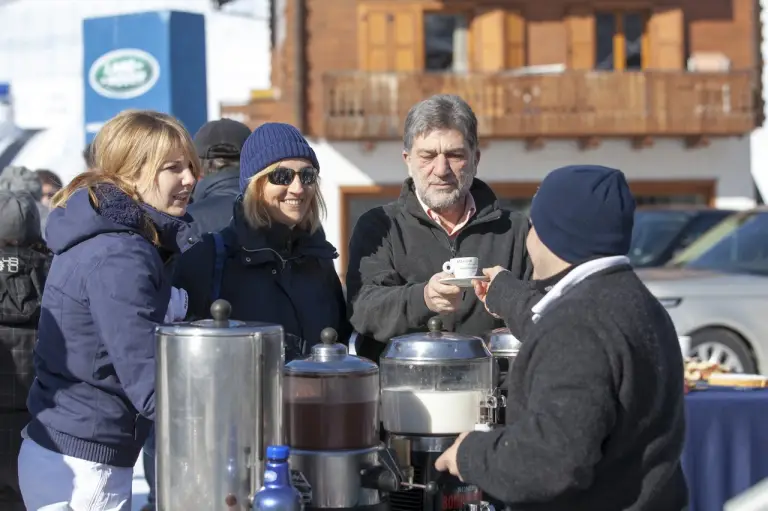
282	176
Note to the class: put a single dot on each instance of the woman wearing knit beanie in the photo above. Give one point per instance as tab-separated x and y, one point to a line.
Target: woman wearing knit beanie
272	263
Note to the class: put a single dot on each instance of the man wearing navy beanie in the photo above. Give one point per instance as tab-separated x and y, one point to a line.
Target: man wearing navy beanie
583	212
596	391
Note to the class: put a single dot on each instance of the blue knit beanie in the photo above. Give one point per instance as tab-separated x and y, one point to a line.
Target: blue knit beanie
584	211
268	144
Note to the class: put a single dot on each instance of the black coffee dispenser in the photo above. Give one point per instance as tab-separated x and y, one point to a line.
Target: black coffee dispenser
331	403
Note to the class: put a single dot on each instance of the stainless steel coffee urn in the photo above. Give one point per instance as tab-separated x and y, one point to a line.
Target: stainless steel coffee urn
332	426
435	386
219	405
504	347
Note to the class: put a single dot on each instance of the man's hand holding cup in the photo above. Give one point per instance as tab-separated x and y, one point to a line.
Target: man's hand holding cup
443	297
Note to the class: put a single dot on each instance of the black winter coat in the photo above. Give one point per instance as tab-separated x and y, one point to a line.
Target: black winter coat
273	275
23	272
595	417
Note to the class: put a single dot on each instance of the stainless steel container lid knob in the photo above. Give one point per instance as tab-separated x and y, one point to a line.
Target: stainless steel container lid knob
220	312
329	349
435	326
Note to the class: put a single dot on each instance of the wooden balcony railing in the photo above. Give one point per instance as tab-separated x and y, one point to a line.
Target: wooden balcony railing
365	106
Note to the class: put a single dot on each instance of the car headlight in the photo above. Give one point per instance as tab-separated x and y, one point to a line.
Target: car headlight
670	303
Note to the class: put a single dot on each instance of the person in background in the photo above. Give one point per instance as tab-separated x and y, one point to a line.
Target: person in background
24	265
596	391
51	183
112	233
275	264
90	164
397	251
218	145
22	179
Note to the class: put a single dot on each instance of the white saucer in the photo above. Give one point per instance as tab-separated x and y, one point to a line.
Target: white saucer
464	281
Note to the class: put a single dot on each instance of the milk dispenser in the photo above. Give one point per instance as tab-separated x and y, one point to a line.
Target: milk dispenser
219	405
435	386
332	427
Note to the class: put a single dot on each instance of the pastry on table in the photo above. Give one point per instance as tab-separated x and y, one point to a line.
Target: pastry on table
752	381
697	370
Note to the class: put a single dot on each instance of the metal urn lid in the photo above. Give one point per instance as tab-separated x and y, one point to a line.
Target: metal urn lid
435	345
330	357
501	343
219	326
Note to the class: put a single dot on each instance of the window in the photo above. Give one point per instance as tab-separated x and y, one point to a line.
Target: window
742	249
445	42
620	41
654	232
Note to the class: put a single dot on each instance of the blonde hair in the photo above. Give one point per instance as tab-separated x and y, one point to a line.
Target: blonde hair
257	214
129	152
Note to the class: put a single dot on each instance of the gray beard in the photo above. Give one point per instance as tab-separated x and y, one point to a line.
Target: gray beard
439	200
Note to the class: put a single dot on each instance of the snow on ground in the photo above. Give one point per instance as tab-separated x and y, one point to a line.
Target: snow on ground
140	488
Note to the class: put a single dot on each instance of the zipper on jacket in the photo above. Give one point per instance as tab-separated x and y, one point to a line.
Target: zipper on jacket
451	244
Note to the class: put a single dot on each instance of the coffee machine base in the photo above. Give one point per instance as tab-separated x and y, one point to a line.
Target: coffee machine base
419	454
337	479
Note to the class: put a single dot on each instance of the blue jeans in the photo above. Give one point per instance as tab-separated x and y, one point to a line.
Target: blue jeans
149	465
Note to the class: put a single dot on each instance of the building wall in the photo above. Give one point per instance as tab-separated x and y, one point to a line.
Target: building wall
727	161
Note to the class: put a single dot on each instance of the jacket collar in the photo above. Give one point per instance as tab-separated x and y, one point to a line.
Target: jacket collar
278	240
116	205
486	204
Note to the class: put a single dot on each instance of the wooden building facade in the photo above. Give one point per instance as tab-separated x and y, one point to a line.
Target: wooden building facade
537	73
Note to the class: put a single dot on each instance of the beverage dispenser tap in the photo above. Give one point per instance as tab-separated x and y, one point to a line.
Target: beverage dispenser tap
390	477
490	410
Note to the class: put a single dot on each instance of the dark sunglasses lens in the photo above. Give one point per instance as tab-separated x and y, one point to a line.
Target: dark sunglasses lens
281	176
308	176
284	177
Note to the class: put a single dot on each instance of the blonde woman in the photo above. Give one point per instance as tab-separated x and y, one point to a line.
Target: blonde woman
273	262
112	233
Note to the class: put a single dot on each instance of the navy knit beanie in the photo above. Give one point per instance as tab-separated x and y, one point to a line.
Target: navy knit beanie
584	211
271	143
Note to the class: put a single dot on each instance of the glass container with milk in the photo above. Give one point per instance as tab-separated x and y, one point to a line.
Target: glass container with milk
436	383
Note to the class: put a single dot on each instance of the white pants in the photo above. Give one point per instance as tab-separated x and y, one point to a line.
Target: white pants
53	482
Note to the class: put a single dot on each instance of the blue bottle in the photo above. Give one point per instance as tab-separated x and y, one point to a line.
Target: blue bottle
277	494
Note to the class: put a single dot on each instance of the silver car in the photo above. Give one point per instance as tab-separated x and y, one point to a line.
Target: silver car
716	292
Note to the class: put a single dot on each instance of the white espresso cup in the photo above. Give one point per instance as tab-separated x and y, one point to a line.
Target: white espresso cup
461	267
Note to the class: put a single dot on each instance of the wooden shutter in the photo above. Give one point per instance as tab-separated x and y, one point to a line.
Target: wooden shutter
667	39
497	40
373	32
487	33
515	40
390	37
580	26
408	39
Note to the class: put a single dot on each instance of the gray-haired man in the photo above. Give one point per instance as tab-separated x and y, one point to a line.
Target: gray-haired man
397	251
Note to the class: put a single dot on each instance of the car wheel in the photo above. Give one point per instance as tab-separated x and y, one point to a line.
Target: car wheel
725	347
